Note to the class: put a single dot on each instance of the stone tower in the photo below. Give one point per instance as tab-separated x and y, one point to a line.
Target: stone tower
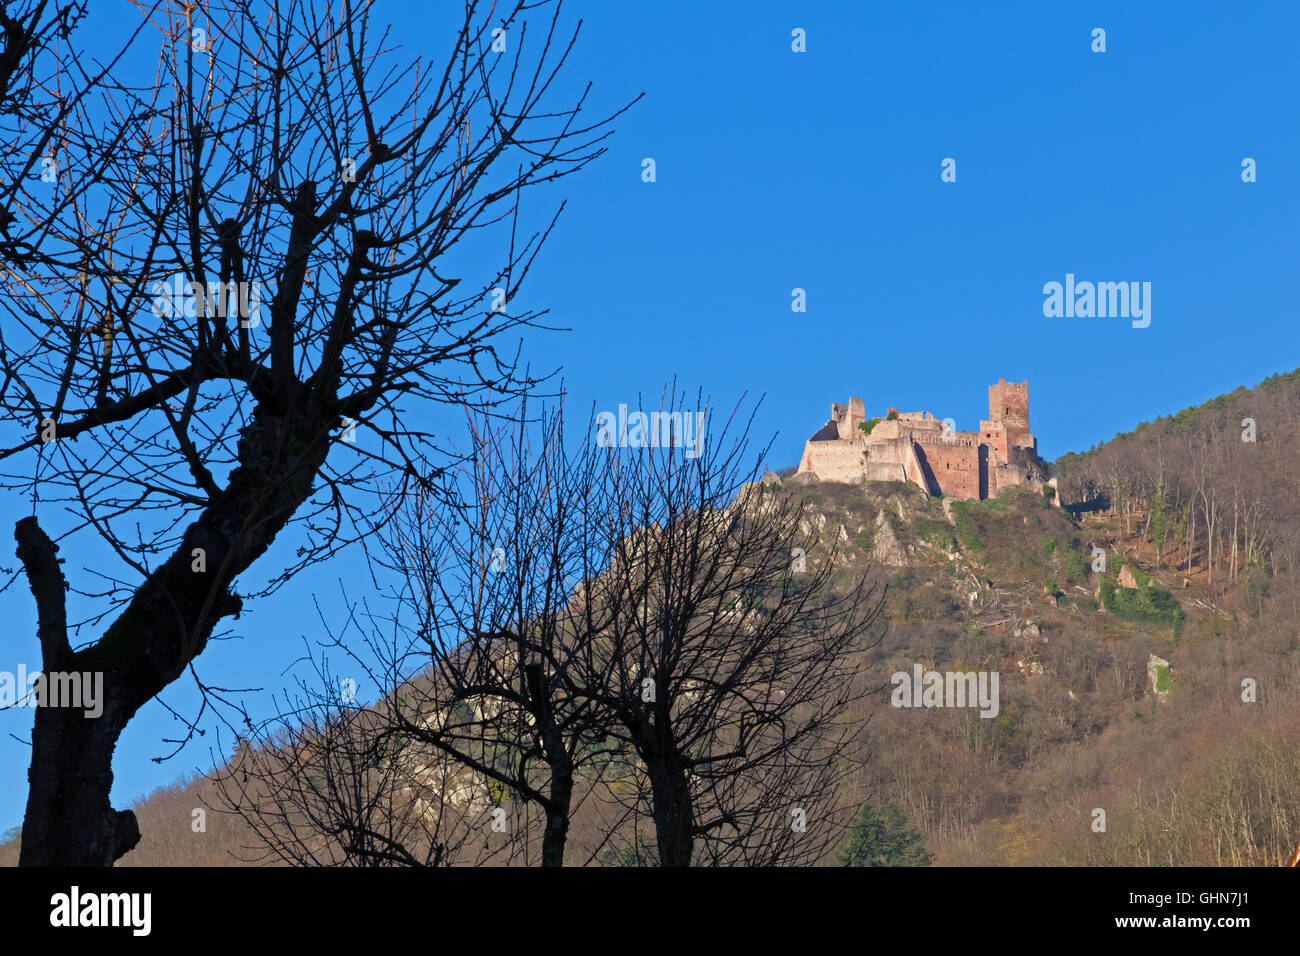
848	418
1009	407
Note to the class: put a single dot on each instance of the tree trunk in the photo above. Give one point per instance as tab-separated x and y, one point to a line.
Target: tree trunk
69	820
674	816
1232	573
556	833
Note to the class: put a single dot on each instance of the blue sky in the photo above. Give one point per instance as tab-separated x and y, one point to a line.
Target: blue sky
820	170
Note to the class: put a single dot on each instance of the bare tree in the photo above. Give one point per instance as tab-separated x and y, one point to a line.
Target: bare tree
45	88
729	659
637	626
496	622
331	788
245	311
1205	444
483	611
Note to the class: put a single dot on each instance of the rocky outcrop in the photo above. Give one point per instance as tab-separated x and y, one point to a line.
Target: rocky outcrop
1025	629
1160	675
886	548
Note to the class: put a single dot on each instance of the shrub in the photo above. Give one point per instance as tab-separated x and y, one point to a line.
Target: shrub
1001	502
936	533
1152	604
1162	678
1075	566
903	580
1142	578
1254	593
1012	735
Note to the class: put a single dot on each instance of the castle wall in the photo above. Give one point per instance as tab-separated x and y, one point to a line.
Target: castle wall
915	469
919	418
892	449
1023	457
994	434
833	460
883	471
911	447
886	430
954	465
904	427
874	461
1019	472
1003	478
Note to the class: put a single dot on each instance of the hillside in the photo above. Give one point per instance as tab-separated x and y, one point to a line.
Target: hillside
1196	763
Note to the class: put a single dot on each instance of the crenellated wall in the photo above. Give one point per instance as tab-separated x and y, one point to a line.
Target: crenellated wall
838	460
966	465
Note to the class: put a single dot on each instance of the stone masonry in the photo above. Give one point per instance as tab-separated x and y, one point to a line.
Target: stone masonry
917	447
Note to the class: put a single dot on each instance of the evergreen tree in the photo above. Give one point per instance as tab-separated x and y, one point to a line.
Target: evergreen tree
883	839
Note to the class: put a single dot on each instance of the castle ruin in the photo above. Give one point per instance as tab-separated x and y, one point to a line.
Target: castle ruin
919	448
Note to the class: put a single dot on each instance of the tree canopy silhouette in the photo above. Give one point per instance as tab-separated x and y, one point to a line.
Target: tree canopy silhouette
227	305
